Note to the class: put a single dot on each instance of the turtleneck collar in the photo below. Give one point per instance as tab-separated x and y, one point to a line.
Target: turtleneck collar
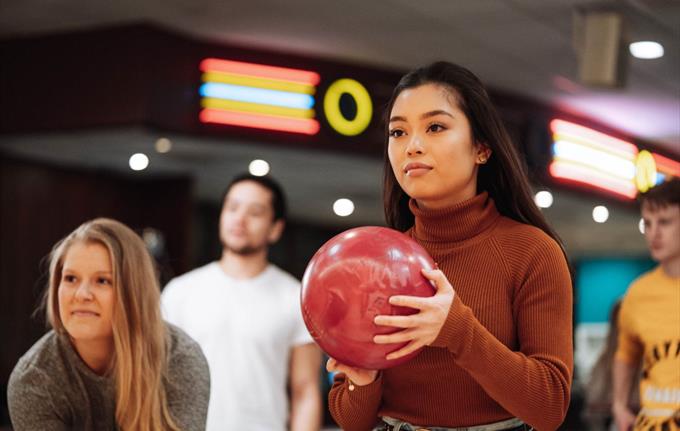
457	223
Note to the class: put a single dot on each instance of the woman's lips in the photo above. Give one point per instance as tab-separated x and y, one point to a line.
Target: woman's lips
85	313
416	169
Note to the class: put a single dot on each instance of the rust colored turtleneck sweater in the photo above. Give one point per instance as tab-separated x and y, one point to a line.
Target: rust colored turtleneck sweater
505	349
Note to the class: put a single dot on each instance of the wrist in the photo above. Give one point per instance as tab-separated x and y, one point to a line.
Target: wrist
353	383
618	407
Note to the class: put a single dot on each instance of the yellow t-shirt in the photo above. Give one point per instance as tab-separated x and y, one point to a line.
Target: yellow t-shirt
649	328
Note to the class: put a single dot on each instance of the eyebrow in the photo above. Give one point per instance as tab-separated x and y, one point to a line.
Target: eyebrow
424	116
69	269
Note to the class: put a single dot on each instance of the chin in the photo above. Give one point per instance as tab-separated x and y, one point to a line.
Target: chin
84	334
658	256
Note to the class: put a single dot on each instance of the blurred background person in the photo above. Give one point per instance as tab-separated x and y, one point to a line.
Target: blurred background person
245	314
598	390
649	322
109	362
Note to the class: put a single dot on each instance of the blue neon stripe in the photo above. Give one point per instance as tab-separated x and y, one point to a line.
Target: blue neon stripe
257	95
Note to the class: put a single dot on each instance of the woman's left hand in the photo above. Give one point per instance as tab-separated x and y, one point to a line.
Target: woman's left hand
422	328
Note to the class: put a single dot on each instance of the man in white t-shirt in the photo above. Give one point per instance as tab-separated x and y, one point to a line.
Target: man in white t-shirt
245	314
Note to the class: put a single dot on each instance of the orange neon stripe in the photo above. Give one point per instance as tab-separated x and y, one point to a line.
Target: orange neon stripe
307	126
606	142
260	70
585	175
666	165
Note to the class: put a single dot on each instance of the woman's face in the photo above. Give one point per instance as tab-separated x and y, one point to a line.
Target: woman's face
86	294
430	147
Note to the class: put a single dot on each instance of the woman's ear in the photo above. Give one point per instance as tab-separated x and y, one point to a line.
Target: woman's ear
483	154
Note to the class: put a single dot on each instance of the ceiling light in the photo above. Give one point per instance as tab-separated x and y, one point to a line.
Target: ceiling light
343	207
163	145
258	167
138	162
600	213
544	199
646	49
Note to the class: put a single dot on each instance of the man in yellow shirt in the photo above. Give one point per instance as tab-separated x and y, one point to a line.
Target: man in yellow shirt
649	322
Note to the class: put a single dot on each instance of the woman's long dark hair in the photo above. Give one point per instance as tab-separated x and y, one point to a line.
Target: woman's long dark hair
503	176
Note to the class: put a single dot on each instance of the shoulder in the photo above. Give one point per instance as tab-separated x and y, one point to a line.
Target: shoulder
42	356
187	379
189	279
188	371
522	240
283	279
38	367
527	252
181	343
638	286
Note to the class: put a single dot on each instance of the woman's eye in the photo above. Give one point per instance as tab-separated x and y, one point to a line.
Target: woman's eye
69	278
435	128
395	133
104	280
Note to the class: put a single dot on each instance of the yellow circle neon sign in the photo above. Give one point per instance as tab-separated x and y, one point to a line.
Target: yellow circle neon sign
645	171
331	107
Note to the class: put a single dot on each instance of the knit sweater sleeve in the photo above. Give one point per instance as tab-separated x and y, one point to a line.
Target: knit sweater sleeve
534	382
355	410
34	404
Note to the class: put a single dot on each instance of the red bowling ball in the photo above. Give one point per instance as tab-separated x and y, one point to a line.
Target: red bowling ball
349	281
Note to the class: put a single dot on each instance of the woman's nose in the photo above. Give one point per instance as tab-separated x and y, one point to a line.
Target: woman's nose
415	146
83	291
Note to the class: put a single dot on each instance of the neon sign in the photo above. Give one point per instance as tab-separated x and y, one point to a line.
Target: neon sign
331	107
586	156
276	98
258	96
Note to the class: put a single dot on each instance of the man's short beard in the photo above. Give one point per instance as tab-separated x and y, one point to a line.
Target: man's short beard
246	250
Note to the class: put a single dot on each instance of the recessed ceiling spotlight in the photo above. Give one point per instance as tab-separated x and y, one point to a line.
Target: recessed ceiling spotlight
258	167
646	49
163	145
138	161
343	207
600	213
544	199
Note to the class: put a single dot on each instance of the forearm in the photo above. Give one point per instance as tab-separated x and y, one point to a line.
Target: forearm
305	412
355	409
622	378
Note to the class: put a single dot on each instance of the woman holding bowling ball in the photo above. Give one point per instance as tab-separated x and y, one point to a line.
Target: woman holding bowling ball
497	334
110	362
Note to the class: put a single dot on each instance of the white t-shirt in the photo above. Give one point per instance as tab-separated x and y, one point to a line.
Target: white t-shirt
246	329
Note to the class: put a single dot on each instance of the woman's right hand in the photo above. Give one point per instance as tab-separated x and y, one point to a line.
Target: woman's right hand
357	376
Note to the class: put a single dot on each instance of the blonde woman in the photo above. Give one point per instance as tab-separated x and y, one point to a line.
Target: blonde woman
109	362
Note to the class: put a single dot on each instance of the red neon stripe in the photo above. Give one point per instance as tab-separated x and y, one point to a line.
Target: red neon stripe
666	165
605	141
260	70
307	126
584	175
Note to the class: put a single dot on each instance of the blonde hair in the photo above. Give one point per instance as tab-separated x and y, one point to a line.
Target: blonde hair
139	365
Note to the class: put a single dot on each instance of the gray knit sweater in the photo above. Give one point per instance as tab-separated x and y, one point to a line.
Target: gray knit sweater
51	388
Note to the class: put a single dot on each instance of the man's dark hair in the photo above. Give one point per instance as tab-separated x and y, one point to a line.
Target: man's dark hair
278	198
662	195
